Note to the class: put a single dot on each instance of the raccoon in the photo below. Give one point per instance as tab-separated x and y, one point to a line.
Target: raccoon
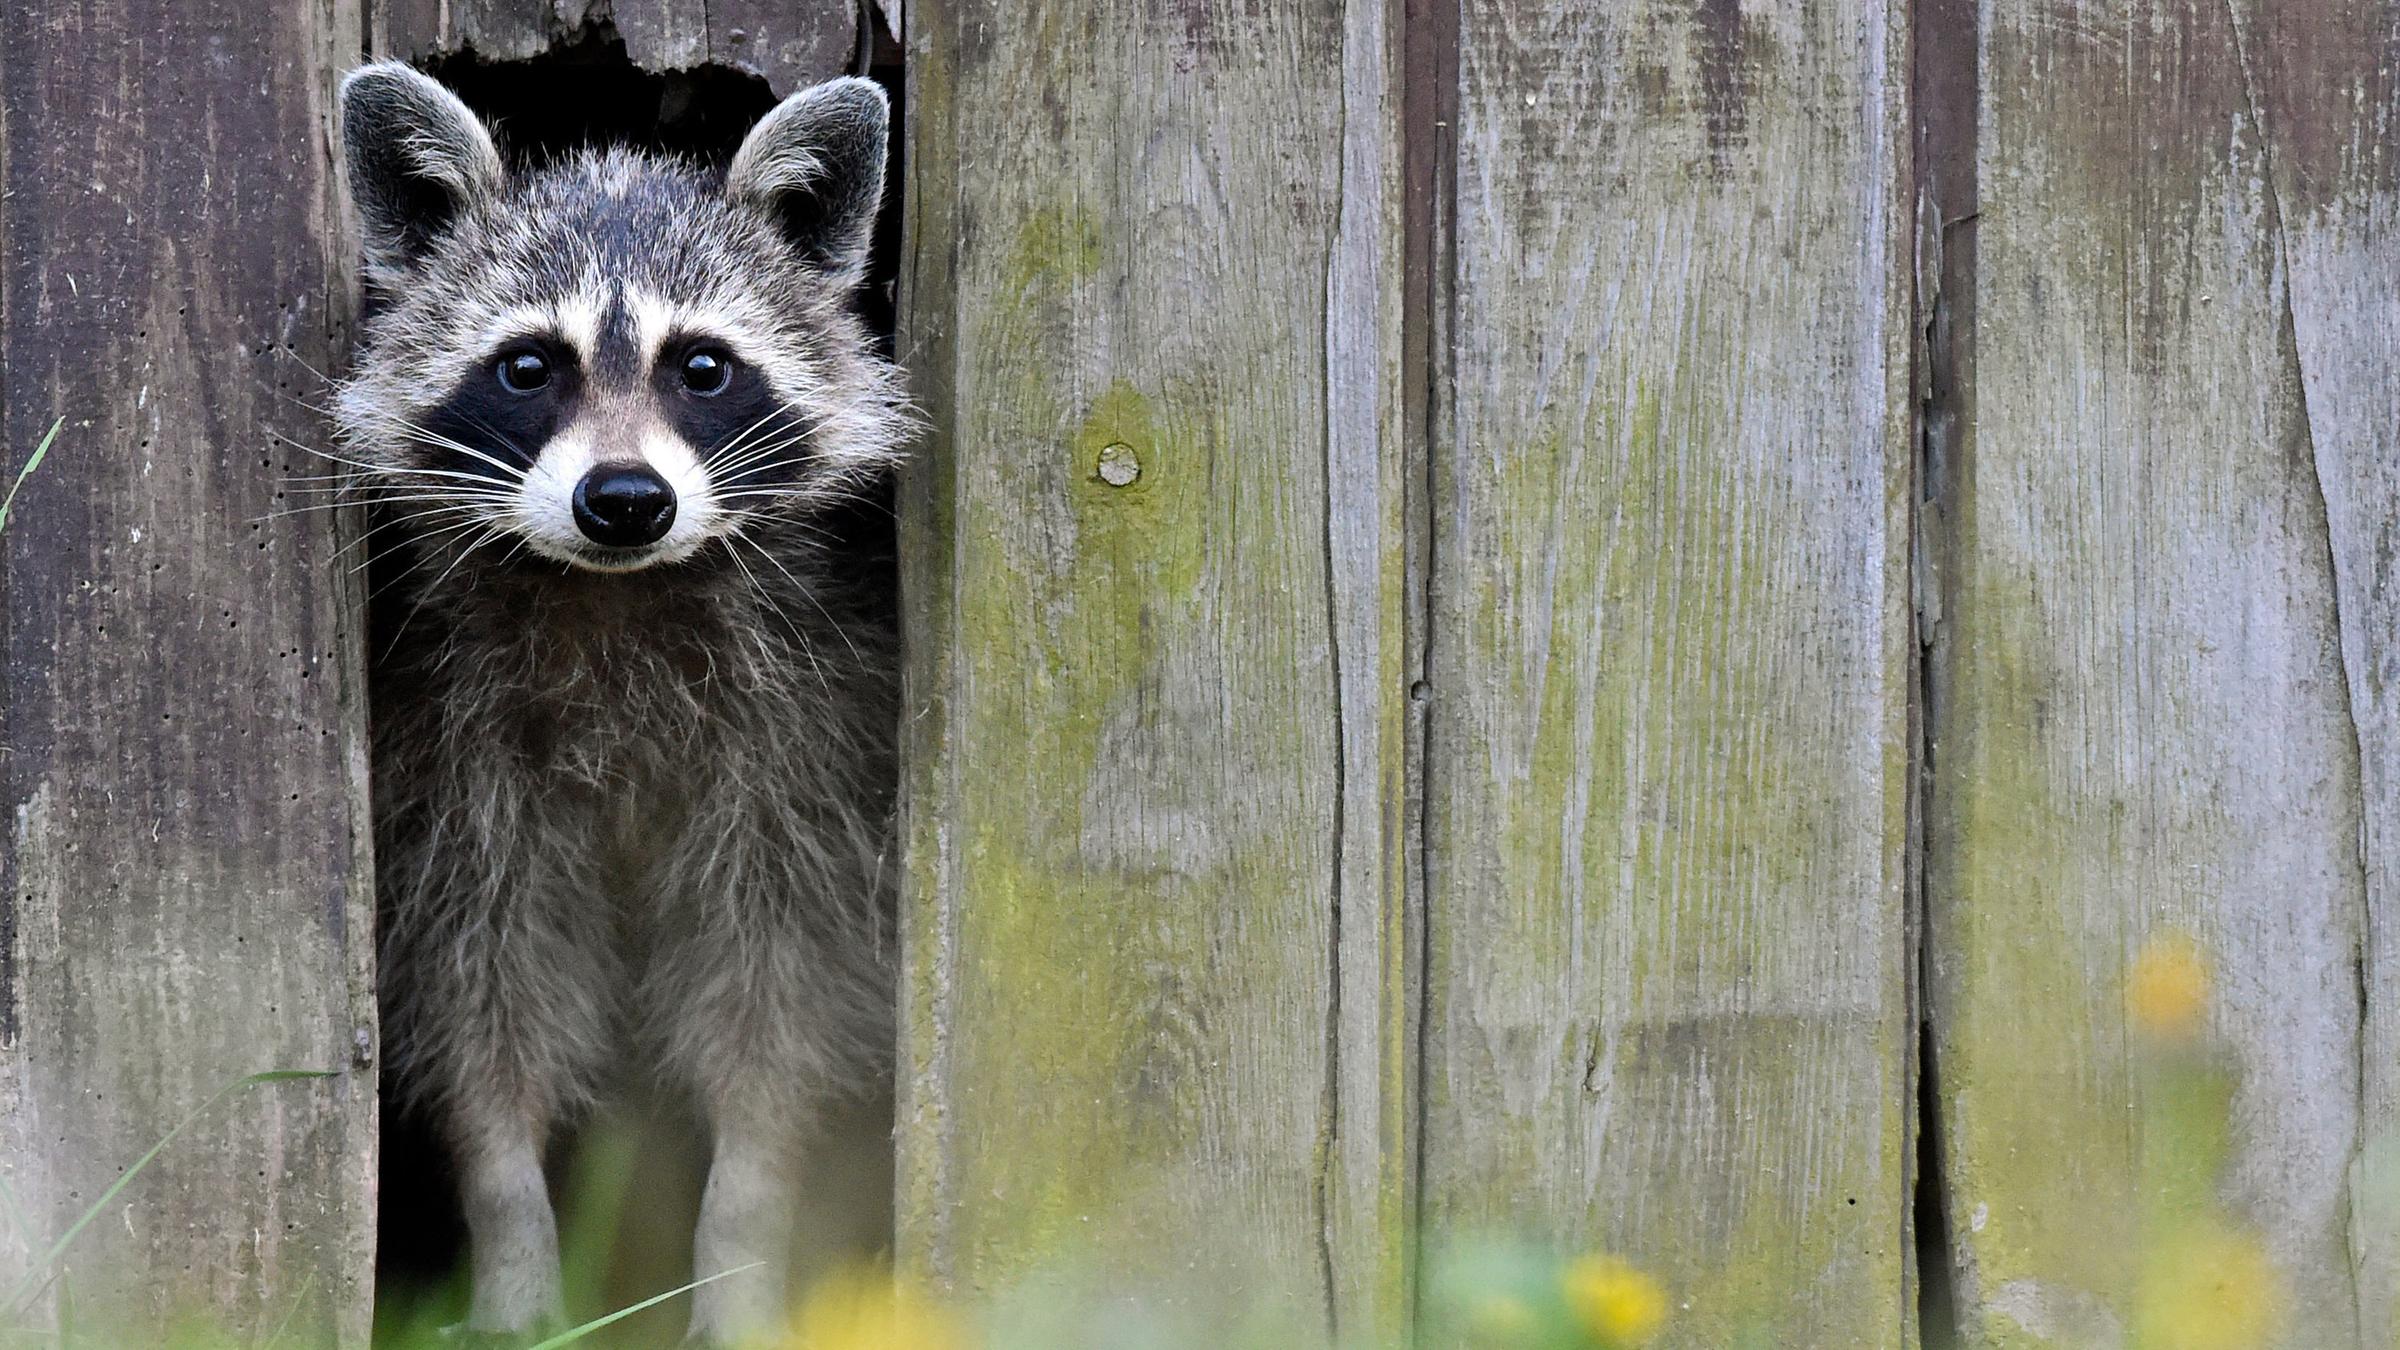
634	723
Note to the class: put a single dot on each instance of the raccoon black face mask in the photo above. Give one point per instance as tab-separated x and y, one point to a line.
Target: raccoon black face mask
634	758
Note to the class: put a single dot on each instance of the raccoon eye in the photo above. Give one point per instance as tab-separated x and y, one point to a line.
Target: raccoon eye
707	371
524	372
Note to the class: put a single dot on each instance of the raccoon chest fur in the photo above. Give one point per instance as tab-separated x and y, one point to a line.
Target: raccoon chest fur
642	795
635	716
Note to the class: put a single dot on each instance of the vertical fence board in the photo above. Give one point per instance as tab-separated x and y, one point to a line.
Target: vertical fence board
2324	84
187	890
1153	1013
1671	658
2141	723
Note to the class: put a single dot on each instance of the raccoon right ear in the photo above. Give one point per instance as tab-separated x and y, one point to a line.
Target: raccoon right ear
417	158
815	166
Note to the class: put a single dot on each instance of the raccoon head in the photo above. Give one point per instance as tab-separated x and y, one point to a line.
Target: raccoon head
615	360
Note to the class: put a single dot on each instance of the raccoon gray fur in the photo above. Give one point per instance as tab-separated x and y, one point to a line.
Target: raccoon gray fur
634	730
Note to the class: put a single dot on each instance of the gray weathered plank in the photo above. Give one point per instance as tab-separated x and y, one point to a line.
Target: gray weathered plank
184	895
1667	767
1157	986
2141	728
2323	85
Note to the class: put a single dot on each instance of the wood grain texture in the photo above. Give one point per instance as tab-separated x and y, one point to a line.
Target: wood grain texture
1667	770
789	43
185	891
1157	977
2323	91
2142	727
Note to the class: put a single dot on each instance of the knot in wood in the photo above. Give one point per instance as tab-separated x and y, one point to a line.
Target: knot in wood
1118	465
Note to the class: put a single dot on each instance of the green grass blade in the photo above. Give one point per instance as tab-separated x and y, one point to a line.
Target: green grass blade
578	1333
39	452
32	1277
291	1312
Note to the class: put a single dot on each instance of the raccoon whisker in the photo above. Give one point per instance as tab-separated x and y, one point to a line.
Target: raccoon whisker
732	457
436	506
366	468
472	480
365	480
431	536
768	459
490	533
368	491
739	438
768	502
745	447
760	515
306	448
423	437
321	478
733	446
289	397
506	441
795	518
305	507
747	484
789	493
301	361
833	494
751	470
809	594
765	457
408	518
807	649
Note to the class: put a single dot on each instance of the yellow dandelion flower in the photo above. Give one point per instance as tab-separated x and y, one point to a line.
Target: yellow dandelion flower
2209	1287
1615	1303
869	1310
2166	991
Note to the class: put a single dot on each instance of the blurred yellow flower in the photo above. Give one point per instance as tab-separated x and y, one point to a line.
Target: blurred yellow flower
2209	1287
1614	1302
866	1309
2166	991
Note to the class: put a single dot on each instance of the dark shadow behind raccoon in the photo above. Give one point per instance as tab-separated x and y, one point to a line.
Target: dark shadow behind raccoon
634	703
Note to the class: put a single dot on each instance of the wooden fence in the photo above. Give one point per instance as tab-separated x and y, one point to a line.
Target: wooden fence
1611	619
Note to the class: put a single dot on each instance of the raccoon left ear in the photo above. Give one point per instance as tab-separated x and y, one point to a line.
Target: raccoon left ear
815	165
417	159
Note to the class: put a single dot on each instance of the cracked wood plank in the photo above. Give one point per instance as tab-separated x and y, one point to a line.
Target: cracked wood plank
1156	994
2142	723
789	43
184	890
1668	763
2325	91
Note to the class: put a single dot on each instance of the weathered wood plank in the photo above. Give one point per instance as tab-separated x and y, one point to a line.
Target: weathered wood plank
2323	84
184	896
1157	983
1671	658
2141	727
789	43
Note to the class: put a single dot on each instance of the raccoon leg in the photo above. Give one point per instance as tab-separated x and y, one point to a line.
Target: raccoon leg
746	1219
508	1020
512	1233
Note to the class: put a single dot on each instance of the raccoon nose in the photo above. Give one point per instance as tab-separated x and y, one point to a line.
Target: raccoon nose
624	506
